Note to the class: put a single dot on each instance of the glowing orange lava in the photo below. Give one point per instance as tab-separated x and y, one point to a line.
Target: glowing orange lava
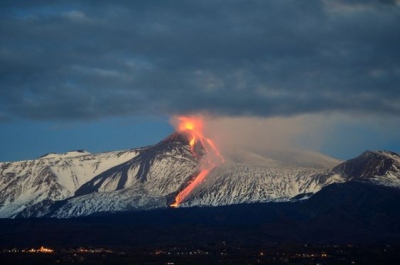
192	127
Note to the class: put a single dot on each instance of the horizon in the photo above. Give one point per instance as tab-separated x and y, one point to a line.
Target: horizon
160	131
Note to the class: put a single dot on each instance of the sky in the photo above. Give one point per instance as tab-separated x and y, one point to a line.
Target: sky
322	75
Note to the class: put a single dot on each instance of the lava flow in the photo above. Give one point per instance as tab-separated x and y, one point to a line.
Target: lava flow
192	127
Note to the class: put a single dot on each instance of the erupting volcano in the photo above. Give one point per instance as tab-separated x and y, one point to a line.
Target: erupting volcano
209	158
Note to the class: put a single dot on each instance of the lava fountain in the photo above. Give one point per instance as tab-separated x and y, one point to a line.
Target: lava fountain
193	128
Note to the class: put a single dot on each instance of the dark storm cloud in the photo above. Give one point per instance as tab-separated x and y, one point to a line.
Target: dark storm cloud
74	60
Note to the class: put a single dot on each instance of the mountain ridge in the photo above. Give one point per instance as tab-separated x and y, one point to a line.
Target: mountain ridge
78	183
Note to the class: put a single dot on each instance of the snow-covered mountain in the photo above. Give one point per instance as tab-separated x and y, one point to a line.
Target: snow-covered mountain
378	167
149	180
79	183
29	187
239	183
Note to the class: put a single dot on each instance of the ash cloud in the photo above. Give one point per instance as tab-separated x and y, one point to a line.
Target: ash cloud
339	135
84	61
252	133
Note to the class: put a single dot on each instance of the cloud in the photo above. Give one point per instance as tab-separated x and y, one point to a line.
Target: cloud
83	61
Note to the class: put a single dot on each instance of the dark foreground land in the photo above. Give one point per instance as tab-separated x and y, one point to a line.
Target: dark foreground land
220	253
350	223
351	213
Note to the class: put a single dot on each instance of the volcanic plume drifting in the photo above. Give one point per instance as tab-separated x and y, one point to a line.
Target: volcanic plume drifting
209	156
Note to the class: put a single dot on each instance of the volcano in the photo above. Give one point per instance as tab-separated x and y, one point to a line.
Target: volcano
183	170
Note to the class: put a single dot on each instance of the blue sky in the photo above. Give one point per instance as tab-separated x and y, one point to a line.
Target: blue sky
28	140
105	76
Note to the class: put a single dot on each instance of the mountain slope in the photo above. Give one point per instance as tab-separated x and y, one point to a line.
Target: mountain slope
147	181
28	187
240	183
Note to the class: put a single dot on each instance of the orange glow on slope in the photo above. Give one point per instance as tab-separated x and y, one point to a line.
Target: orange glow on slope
192	143
210	159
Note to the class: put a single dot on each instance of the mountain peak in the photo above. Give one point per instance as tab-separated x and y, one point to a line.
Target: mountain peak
381	153
177	137
74	153
380	167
